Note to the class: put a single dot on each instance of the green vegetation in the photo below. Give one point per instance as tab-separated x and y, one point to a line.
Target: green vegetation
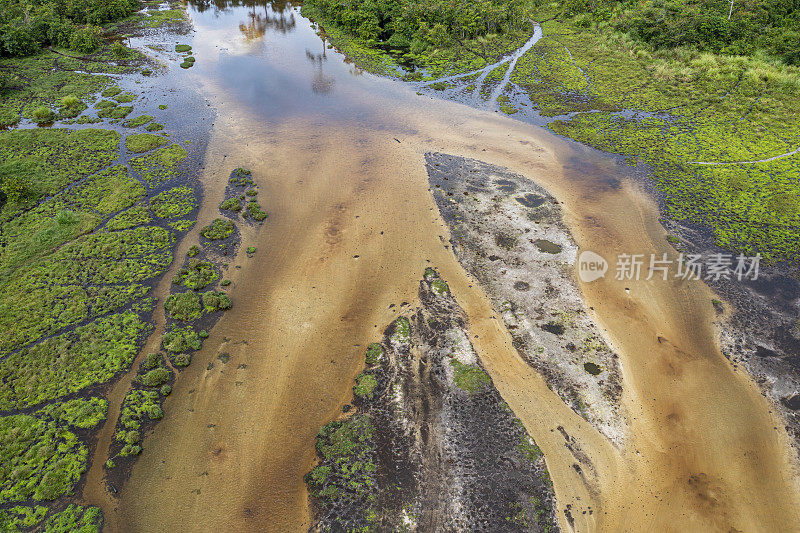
182	48
401	330
143	142
346	474
79	413
440	287
469	377
215	301
374	354
159	166
183	306
75	519
137	405
219	229
255	212
19	518
438	35
193	250
196	274
178	339
231	204
241	177
38	460
698	82
251	250
154	126
365	386
174	203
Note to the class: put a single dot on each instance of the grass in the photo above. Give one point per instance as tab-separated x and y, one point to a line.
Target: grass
196	274
469	378
81	413
143	142
174	203
365	386
159	166
219	229
401	333
254	211
183	306
346	475
374	354
38	460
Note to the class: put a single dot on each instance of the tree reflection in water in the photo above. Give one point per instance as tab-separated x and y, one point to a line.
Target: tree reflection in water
278	15
320	83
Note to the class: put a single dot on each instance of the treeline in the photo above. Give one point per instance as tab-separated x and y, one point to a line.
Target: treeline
27	25
738	27
416	25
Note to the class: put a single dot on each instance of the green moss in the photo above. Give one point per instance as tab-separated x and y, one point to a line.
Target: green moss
231	204
155	378
138	407
365	386
374	354
124	98
178	339
42	162
75	519
346	475
215	301
182	48
38	460
157	19
196	274
469	377
219	229
154	126
137	215
143	142
440	287
402	330
254	211
183	306
174	203
89	355
78	412
20	518
117	112
159	166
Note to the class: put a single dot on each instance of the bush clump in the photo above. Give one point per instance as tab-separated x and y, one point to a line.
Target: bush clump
196	275
86	39
365	386
219	229
155	377
215	301
183	306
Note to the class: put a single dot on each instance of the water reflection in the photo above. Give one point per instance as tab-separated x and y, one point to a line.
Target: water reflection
266	55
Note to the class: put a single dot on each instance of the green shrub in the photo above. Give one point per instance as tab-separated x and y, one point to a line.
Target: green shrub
182	48
184	306
70	101
119	50
155	377
231	204
42	114
86	39
254	210
365	385
193	250
219	229
179	340
196	275
215	301
374	353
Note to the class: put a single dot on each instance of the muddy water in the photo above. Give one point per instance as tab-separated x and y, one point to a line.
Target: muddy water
339	159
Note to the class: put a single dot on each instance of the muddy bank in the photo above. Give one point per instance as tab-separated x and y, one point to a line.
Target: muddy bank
431	446
508	233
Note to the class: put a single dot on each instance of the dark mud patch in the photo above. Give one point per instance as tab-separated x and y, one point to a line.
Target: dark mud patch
431	438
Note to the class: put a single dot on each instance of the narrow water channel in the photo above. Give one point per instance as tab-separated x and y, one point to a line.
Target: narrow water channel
338	155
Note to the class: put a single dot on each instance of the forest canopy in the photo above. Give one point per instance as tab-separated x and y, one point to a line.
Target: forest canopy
27	25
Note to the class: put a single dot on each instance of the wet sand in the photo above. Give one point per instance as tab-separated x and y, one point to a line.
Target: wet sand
235	442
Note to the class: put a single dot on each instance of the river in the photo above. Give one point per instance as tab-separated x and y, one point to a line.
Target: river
338	155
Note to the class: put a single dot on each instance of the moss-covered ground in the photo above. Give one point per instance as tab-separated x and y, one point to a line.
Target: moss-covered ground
89	219
676	109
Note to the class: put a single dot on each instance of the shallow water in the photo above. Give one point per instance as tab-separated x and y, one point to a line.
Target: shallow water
338	155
